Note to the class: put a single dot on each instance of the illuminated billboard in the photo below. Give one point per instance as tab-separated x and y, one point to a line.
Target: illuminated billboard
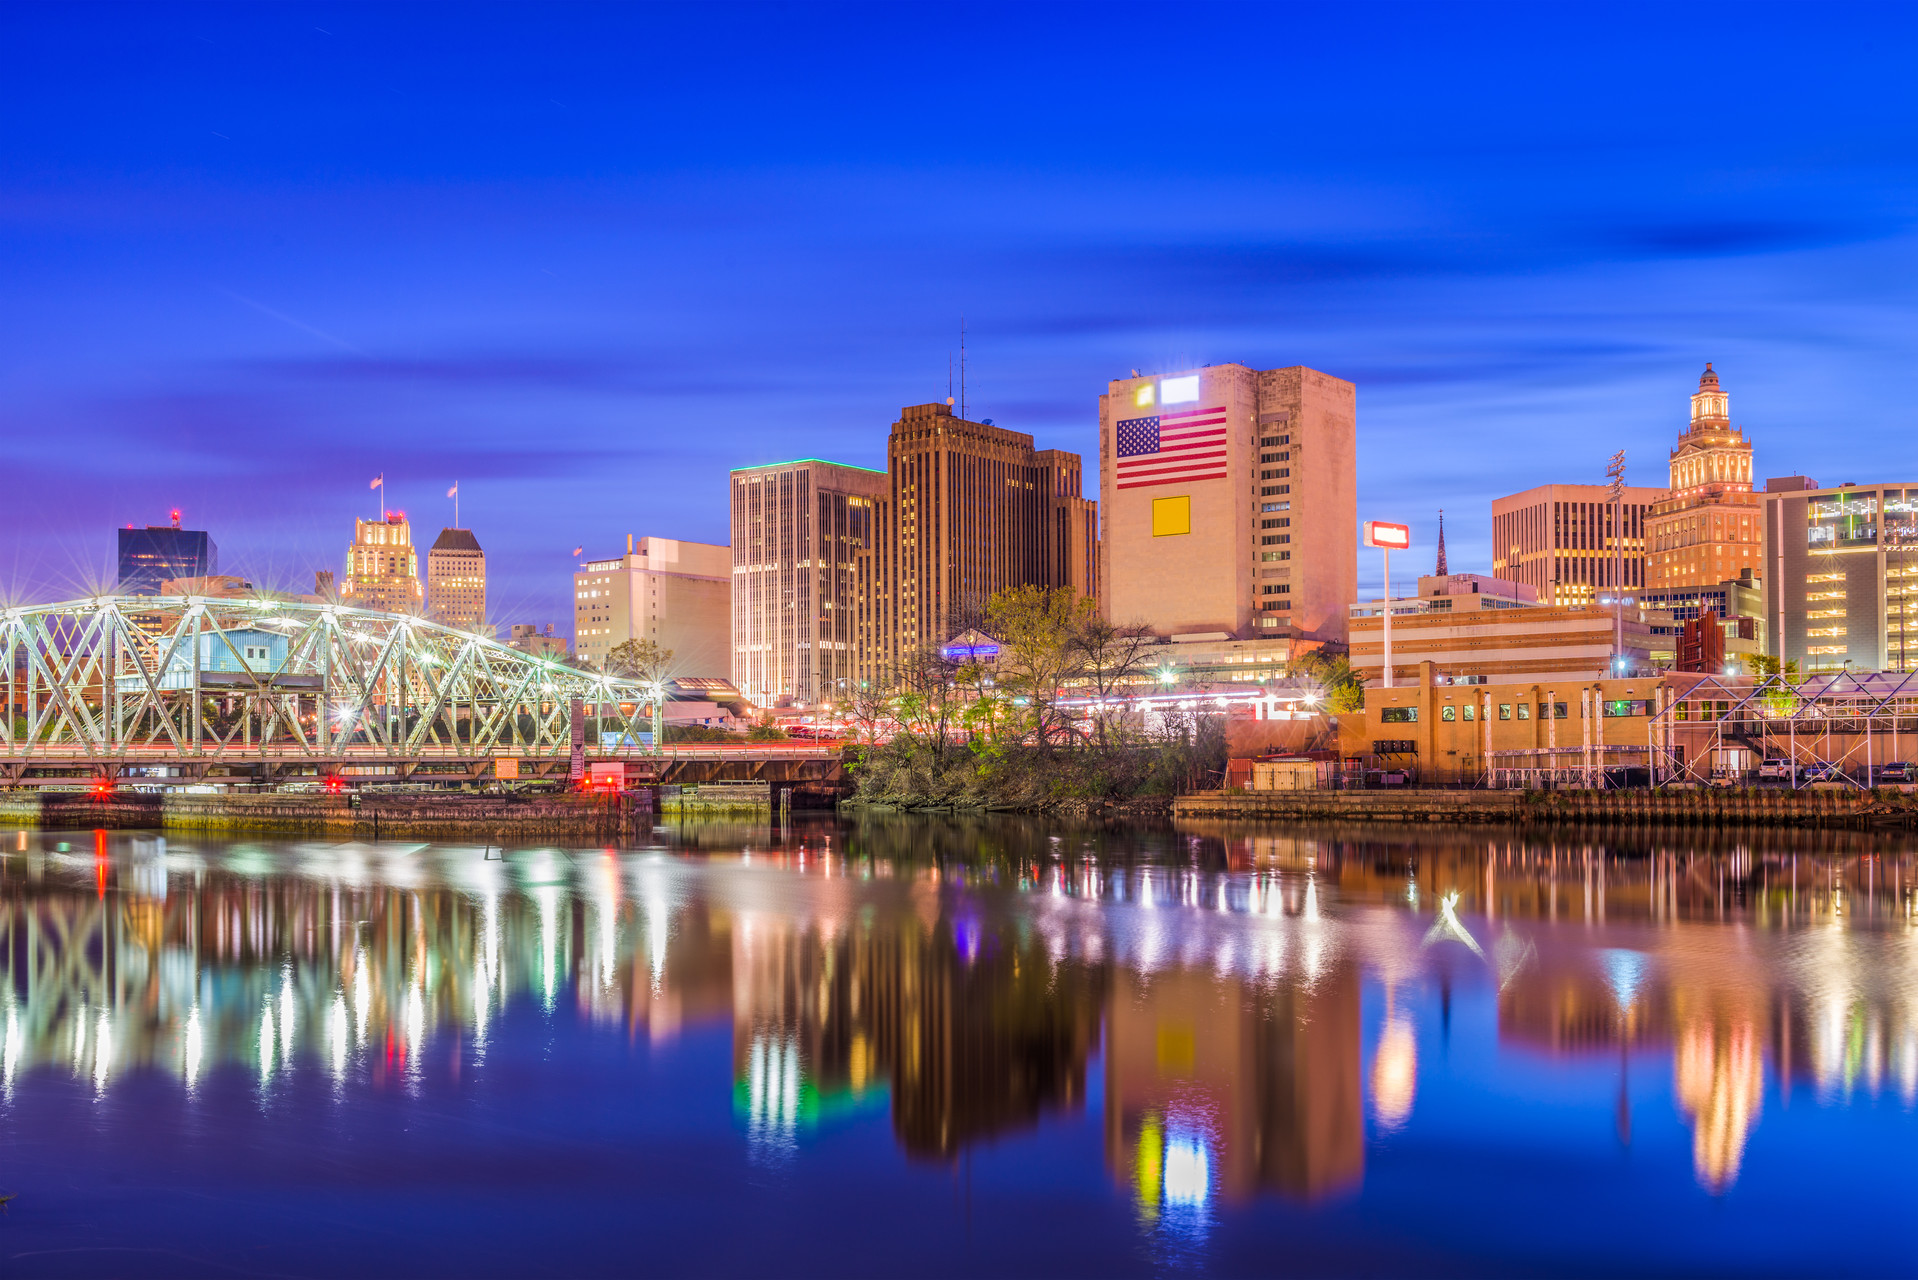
1389	537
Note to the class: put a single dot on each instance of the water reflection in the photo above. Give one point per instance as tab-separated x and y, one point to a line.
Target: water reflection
1252	1010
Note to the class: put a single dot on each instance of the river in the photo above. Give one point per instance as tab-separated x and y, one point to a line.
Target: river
960	1047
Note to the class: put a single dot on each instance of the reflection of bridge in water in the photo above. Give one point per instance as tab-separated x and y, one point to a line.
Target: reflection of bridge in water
160	691
860	966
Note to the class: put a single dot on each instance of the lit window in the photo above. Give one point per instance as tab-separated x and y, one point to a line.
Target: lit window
1179	390
1143	396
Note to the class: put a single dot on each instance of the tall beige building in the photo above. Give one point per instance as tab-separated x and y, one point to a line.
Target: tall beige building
676	594
1231	502
1709	529
971	509
456	581
800	532
1559	539
383	567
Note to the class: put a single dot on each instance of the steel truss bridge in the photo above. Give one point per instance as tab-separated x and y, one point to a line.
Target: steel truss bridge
176	689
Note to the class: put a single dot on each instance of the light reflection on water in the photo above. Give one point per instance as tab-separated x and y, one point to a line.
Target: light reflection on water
1243	1018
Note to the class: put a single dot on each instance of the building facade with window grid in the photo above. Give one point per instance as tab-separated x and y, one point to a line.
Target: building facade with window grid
383	567
1254	537
971	509
801	536
456	581
1841	574
1707	529
1559	539
675	593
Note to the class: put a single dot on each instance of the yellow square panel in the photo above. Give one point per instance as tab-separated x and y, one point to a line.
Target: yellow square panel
1171	515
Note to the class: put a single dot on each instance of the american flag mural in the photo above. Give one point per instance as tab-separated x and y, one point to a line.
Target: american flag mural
1170	448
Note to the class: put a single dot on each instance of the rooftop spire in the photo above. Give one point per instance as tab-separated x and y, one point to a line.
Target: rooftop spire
1441	571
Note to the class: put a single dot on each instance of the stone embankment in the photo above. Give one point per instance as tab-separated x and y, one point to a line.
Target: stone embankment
1884	807
423	816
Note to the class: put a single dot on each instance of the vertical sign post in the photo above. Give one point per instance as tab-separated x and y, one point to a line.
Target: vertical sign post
576	767
1388	538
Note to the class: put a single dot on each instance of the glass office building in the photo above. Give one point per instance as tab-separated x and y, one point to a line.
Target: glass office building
150	556
1842	574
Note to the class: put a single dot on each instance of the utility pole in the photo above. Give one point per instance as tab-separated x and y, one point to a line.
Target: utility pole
1616	470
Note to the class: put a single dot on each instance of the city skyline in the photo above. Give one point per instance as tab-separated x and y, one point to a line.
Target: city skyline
313	254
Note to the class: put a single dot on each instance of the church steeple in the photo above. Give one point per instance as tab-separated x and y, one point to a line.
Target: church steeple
1441	571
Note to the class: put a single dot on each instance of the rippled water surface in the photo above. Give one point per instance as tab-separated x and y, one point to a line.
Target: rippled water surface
928	1047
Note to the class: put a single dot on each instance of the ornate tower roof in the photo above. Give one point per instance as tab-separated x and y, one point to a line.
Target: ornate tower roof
1711	451
1711	407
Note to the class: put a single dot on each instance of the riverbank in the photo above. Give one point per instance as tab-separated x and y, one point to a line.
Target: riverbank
1074	807
1766	807
416	816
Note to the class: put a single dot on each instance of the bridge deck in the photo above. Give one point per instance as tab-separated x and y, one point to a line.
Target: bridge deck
681	763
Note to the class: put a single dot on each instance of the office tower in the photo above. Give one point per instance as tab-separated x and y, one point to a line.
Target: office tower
1706	531
456	581
674	593
1841	574
1230	502
1558	538
798	532
150	556
382	567
971	509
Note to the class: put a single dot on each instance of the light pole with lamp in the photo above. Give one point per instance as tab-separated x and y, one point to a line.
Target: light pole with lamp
1615	470
1388	538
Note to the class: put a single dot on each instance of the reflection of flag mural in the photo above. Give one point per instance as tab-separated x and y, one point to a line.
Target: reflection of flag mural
1171	448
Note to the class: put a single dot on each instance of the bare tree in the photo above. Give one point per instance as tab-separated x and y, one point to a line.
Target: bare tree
1111	659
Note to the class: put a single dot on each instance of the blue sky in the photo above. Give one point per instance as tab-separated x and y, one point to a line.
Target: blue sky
586	259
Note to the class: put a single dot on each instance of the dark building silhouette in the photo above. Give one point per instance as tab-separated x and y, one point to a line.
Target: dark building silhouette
150	556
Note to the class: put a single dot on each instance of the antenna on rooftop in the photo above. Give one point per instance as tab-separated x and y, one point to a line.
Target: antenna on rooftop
962	370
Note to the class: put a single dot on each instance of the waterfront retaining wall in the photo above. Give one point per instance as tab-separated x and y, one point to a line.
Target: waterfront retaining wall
1713	807
422	816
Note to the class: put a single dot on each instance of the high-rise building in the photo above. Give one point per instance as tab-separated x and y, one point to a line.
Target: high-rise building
456	581
1841	574
677	594
1559	539
971	509
1706	530
150	556
799	531
1231	502
383	567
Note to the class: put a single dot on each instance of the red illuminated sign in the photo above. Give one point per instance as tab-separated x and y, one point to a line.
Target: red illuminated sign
1391	537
